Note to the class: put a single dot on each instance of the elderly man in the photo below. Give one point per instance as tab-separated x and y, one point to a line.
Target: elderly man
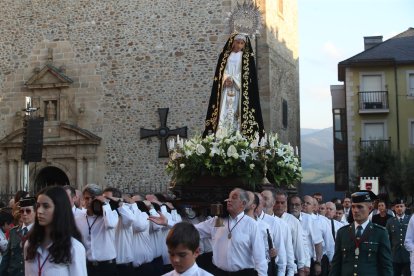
238	247
362	248
331	214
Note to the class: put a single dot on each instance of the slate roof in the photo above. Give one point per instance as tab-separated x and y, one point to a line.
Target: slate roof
396	50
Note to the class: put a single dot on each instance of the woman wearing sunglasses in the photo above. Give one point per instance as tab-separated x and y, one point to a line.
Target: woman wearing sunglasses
12	261
54	247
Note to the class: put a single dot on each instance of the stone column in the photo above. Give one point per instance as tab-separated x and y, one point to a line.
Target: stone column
79	173
90	167
20	172
13	185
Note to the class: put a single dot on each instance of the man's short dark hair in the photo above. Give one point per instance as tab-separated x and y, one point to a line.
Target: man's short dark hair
71	189
339	207
115	192
183	233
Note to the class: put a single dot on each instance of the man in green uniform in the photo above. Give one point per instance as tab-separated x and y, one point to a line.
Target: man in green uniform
397	228
12	263
362	248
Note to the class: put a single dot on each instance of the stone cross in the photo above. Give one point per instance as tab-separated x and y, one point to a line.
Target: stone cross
163	132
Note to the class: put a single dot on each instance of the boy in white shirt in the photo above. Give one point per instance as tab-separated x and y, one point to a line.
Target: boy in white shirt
183	242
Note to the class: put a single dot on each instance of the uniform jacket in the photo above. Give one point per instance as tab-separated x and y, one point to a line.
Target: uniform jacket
397	231
374	257
12	263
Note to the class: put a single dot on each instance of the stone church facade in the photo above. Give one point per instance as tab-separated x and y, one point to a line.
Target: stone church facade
98	70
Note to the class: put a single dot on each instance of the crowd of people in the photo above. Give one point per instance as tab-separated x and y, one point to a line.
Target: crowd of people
62	231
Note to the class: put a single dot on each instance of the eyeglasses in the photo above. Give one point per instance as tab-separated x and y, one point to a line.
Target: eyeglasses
27	211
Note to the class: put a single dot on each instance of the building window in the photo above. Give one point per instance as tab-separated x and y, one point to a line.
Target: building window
410	85
284	113
374	131
339	125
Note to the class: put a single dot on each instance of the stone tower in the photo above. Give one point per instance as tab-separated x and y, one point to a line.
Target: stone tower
100	69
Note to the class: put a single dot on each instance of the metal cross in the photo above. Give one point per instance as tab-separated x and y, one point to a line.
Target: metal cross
163	132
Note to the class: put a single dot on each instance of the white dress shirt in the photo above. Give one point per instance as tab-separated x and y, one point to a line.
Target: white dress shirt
409	242
192	271
277	232
297	238
100	242
328	244
76	267
243	250
312	233
76	211
124	235
143	247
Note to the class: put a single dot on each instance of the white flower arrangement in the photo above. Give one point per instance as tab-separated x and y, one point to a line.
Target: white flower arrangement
232	155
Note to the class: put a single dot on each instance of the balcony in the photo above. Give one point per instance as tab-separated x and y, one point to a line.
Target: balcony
371	144
373	102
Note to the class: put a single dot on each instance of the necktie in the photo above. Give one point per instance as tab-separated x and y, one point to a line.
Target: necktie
359	231
24	231
401	220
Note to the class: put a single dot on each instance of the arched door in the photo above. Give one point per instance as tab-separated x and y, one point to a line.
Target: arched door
50	176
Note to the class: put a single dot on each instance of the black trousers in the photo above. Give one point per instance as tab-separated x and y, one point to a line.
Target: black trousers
125	269
205	261
158	266
401	269
244	272
107	268
144	270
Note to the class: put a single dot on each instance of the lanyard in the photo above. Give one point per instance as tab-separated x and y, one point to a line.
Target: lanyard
90	226
228	226
40	267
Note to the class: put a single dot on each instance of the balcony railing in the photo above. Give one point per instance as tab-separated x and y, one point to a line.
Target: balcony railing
366	144
373	102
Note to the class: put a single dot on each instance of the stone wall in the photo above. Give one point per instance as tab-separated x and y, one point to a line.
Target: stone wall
129	58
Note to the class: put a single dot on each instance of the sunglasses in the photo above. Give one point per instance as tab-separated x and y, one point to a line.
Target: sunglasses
27	211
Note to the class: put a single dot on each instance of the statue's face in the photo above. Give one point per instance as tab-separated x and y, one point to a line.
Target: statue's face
238	45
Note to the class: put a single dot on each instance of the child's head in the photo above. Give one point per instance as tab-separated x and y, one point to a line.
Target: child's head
183	246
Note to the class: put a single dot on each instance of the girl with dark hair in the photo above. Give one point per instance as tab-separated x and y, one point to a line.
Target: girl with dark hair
53	246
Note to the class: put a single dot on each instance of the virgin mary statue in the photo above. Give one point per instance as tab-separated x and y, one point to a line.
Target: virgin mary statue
234	101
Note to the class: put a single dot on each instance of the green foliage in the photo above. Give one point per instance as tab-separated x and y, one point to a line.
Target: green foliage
395	171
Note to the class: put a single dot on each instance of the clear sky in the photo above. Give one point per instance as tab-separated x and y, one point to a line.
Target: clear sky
331	31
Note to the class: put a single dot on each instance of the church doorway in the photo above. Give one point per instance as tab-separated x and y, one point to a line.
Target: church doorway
50	176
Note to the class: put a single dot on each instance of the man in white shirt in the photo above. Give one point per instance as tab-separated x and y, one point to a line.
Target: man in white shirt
328	244
143	256
331	214
97	228
276	226
237	246
265	230
72	199
123	231
313	237
269	197
280	209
